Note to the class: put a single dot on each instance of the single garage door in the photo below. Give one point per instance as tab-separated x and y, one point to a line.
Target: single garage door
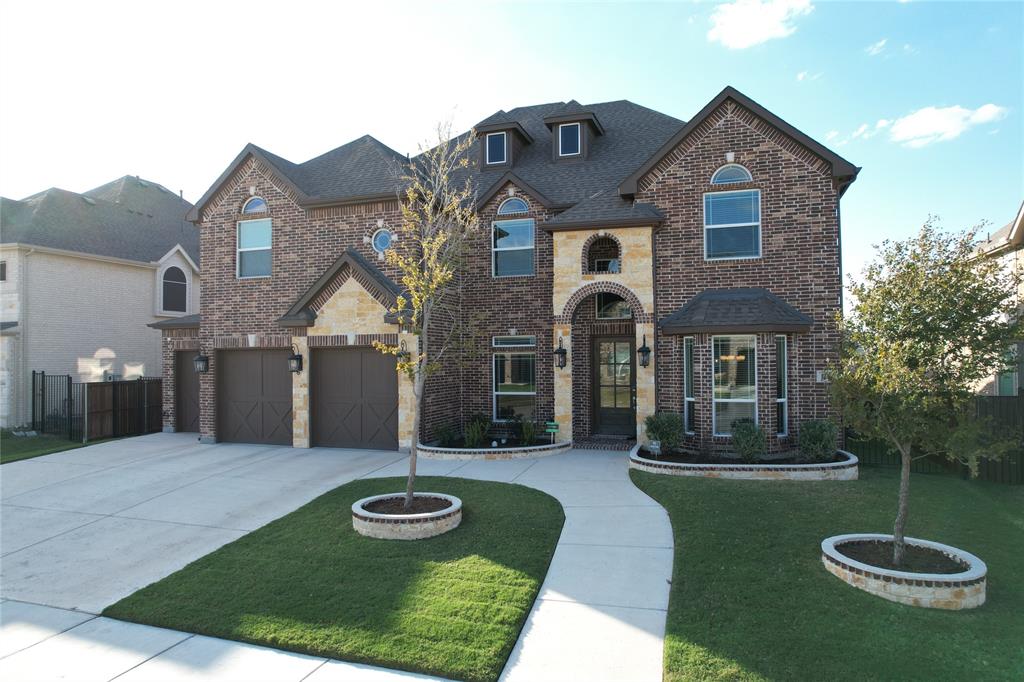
354	399
254	397
186	392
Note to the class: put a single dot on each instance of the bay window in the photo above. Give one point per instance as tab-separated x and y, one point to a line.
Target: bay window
781	387
734	394
515	386
689	397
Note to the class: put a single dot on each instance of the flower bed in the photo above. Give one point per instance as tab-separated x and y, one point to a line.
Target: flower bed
963	589
400	526
845	469
503	452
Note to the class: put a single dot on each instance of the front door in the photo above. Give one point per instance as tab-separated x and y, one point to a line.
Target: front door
614	386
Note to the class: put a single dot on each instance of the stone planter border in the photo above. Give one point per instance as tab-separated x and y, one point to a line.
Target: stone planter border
964	590
763	471
405	526
530	451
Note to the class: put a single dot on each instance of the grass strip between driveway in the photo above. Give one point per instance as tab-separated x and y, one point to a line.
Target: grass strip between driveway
452	605
17	448
751	600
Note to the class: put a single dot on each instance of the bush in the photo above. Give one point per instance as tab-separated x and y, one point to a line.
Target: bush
527	432
818	439
748	439
666	428
447	435
476	432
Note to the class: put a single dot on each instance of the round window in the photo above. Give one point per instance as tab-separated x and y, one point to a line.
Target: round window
382	240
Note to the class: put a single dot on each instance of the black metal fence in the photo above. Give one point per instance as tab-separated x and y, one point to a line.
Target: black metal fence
82	411
1006	414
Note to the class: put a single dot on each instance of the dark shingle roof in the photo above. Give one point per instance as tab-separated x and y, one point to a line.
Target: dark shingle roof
128	218
183	322
364	167
605	207
735	310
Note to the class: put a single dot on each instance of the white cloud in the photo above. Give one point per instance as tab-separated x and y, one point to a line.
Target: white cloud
939	124
875	49
745	23
831	135
860	131
883	123
802	75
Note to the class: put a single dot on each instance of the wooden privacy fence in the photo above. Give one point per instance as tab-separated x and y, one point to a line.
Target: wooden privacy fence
82	411
1005	414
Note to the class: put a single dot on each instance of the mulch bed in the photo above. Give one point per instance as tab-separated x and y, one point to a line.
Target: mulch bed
915	560
396	505
714	458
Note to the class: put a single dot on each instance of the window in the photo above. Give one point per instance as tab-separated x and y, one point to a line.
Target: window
689	397
727	175
3	271
612	307
175	293
512	247
496	152
254	248
735	382
513	206
732	225
569	139
603	255
1007	380
255	205
781	387
515	391
514	341
382	240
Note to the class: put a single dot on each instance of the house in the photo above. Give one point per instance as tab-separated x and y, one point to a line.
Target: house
82	275
1007	245
686	266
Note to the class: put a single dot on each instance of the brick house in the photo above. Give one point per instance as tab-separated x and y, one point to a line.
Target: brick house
606	230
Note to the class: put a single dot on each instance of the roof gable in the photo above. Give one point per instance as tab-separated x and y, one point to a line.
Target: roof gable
735	311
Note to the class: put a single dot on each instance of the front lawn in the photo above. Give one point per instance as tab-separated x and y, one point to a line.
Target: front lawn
751	600
14	448
452	605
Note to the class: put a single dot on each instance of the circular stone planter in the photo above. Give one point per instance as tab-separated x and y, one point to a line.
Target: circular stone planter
406	526
845	470
518	452
964	590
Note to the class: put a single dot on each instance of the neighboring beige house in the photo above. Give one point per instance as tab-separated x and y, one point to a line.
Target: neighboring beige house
81	275
1007	245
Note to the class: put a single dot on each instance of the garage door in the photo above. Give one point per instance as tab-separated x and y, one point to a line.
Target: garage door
254	397
186	392
354	399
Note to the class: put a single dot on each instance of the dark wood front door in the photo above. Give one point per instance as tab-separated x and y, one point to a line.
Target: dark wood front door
254	397
186	392
354	399
614	387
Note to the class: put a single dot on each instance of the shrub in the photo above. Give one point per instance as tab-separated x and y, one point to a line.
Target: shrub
748	439
667	428
527	432
447	435
818	439
476	432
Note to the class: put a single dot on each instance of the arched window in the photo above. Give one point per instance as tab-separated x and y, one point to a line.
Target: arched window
255	205
513	206
175	293
732	173
603	256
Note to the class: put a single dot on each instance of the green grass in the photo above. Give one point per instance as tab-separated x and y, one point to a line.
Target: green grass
15	448
452	605
751	600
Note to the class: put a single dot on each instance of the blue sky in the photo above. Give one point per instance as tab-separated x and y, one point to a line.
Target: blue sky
926	96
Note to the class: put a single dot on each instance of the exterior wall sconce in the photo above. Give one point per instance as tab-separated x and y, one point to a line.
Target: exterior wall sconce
643	353
403	353
560	354
295	361
201	363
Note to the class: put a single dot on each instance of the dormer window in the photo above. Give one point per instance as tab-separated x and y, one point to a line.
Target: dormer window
569	143
497	148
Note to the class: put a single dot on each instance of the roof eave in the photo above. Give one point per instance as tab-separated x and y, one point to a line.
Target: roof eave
581	117
512	126
676	329
321	202
597	224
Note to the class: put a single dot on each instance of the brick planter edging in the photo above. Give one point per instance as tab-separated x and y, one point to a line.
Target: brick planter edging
826	471
438	452
405	526
954	591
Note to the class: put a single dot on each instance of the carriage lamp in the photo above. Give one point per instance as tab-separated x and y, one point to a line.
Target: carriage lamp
643	353
403	353
201	363
560	354
295	361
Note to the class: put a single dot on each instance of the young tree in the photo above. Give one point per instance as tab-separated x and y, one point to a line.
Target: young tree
929	321
438	217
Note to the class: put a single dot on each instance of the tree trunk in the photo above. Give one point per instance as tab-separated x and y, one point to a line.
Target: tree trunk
416	416
898	544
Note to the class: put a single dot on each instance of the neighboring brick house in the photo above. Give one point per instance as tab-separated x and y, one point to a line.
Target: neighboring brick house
1007	246
81	275
606	230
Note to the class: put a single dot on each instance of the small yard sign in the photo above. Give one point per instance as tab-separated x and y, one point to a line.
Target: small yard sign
552	428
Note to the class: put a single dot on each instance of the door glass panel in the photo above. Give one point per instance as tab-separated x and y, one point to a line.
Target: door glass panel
622	352
622	397
607	396
623	374
606	373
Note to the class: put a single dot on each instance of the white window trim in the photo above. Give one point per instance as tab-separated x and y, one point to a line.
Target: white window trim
160	310
785	383
750	176
239	250
758	224
689	401
531	344
525	210
494	392
496	249
487	148
248	201
714	414
373	239
579	138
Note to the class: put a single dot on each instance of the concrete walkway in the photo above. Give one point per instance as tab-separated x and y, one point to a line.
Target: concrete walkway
83	529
